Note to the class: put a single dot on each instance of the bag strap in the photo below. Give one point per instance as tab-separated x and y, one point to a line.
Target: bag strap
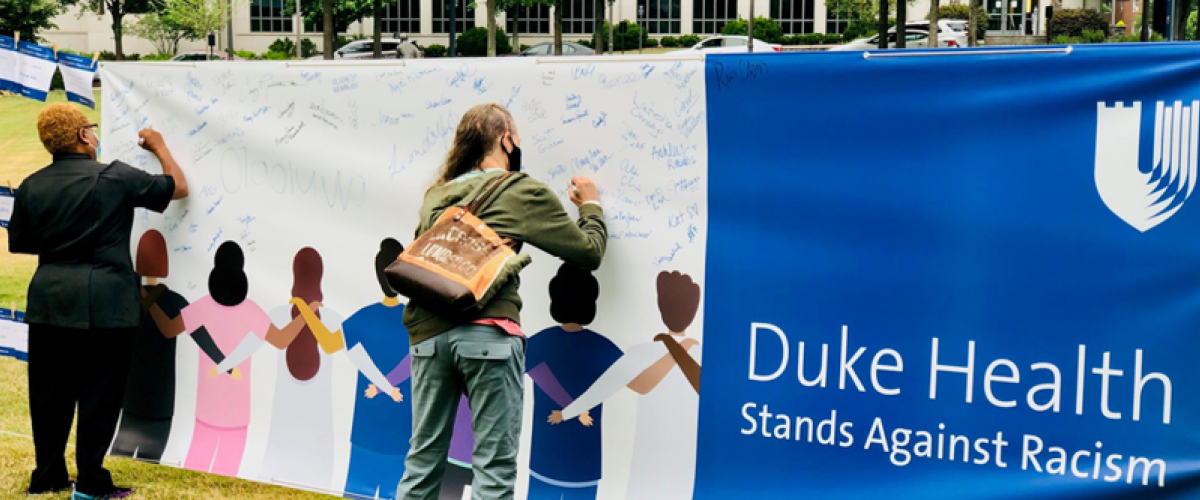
482	192
491	191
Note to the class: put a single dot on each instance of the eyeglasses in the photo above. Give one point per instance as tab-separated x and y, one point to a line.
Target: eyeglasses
94	128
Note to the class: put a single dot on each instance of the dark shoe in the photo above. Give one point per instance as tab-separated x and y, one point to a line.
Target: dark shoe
57	489
117	492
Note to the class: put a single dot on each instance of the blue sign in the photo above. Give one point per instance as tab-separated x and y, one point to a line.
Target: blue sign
970	276
9	64
8	198
78	73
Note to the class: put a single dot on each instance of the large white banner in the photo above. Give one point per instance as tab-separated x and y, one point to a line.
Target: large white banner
305	169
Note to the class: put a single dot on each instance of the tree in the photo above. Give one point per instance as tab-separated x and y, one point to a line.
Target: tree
162	30
118	9
200	16
558	8
515	8
857	9
765	29
28	16
345	12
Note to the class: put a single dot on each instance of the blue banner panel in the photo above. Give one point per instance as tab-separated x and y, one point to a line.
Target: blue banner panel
959	276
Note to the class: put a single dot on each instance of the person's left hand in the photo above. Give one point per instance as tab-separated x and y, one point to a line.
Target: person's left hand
396	396
212	372
236	373
585	418
555	417
372	391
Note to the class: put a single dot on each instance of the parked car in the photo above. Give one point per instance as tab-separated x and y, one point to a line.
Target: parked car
202	55
568	49
913	39
729	44
954	29
365	49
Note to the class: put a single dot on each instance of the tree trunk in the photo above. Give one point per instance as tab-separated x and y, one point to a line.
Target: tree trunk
516	31
1145	20
330	34
883	24
118	31
599	26
901	24
935	10
972	20
378	29
1160	12
558	28
491	28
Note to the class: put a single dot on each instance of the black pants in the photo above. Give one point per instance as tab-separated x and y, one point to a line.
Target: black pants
69	367
142	438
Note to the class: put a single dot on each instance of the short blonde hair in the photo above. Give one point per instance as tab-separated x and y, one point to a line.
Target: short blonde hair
58	127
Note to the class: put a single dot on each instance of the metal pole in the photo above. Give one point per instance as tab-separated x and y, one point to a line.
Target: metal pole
453	23
750	29
610	27
640	12
229	28
299	29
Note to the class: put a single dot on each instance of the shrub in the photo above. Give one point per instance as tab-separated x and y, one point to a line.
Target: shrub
165	57
524	47
688	40
586	43
435	50
809	39
274	55
832	39
627	40
1094	36
863	28
473	42
669	41
308	48
765	29
1066	40
1135	38
246	54
1073	22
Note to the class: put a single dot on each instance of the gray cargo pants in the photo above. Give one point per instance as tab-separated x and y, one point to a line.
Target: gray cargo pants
488	365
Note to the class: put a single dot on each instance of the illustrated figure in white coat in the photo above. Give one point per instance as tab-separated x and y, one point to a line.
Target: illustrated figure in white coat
300	442
666	372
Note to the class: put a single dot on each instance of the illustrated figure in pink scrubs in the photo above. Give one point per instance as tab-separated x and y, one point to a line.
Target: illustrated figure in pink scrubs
223	399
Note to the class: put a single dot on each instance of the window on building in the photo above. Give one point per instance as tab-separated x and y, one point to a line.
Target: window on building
662	16
794	16
579	17
402	16
837	22
534	20
266	16
464	18
709	16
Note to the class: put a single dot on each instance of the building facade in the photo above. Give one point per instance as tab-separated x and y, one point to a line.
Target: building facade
258	23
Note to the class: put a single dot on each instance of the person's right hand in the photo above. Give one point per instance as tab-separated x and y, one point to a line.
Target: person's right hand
372	391
556	417
236	373
583	190
151	140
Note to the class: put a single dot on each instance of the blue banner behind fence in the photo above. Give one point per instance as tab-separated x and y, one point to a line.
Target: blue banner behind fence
983	266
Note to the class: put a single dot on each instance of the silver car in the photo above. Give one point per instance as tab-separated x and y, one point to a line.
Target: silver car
722	44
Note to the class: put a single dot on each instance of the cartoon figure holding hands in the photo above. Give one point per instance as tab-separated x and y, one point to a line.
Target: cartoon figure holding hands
666	372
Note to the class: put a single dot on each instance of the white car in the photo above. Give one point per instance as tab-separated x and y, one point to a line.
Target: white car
723	44
365	49
955	30
913	39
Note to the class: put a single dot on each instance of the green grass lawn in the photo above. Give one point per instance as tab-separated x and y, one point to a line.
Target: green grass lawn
21	154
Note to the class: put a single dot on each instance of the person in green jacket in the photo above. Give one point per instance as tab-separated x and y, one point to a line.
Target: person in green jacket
484	358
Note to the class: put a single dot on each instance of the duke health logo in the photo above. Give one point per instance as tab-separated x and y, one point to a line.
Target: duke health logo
1145	196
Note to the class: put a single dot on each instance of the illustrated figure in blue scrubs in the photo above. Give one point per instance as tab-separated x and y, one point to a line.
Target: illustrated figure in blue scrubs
563	361
377	341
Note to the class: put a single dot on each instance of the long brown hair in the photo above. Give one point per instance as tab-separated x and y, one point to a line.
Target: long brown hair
303	359
480	128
